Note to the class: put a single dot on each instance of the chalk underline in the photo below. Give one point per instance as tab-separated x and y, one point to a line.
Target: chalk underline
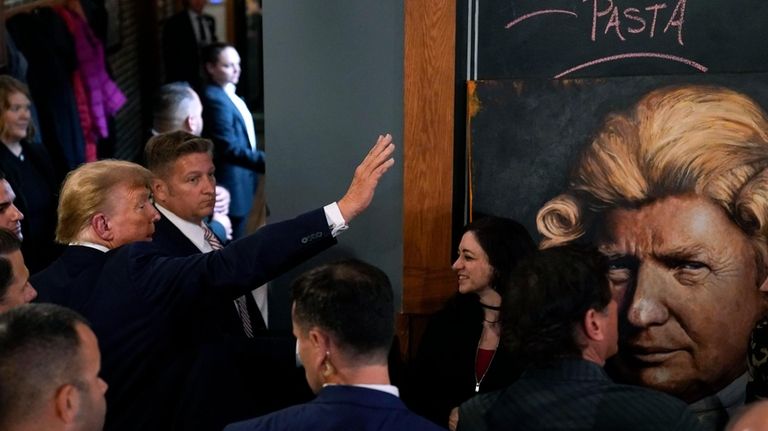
539	12
691	63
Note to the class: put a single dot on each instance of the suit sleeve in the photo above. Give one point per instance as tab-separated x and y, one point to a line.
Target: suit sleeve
186	282
220	126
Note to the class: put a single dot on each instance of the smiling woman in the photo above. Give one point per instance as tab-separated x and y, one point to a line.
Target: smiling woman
459	354
29	172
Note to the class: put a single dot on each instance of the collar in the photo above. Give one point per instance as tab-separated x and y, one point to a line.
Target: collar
568	369
230	88
92	245
193	232
730	397
392	390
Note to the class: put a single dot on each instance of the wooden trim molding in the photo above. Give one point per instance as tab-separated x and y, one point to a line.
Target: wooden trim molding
428	139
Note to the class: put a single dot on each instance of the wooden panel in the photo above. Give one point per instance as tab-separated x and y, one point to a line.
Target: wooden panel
430	33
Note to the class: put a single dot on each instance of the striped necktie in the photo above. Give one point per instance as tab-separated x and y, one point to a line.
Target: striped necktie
240	303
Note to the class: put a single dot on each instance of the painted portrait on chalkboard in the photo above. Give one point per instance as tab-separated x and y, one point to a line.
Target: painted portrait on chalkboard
669	178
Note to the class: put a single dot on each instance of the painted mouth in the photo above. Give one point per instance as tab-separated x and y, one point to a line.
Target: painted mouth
650	354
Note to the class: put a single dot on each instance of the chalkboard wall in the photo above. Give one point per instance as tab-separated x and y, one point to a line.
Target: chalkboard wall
579	38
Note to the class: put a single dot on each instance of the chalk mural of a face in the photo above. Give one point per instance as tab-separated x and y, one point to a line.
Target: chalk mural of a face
675	192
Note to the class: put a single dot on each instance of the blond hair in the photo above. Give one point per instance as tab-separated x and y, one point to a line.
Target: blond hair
87	189
704	140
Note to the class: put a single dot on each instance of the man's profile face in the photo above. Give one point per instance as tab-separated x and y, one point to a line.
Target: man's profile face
189	190
691	294
92	388
19	291
10	216
131	216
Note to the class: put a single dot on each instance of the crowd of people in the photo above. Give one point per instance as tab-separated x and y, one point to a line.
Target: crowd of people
133	297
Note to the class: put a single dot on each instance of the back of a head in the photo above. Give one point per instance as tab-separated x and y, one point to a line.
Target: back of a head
547	298
9	243
39	351
351	299
504	241
164	149
172	106
86	191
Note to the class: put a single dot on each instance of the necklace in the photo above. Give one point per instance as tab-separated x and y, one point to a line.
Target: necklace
490	307
479	380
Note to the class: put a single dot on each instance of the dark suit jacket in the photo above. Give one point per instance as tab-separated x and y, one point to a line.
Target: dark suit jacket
34	182
181	51
237	164
228	370
342	408
574	395
145	307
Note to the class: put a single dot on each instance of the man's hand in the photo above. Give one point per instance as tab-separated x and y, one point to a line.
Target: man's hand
367	175
222	201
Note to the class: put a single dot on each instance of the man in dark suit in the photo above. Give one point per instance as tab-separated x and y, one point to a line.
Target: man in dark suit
560	317
343	317
235	346
183	35
144	305
229	123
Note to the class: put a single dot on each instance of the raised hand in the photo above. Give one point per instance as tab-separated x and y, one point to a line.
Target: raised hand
367	175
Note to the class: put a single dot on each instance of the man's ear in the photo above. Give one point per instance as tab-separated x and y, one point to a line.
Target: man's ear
593	325
67	403
320	342
100	225
159	190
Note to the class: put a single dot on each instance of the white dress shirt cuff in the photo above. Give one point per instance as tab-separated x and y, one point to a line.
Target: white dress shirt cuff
336	221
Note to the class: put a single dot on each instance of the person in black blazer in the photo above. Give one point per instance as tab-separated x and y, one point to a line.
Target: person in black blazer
228	122
146	306
183	35
460	353
29	171
344	320
560	317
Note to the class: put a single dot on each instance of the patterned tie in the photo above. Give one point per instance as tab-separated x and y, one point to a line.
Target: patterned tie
201	29
240	304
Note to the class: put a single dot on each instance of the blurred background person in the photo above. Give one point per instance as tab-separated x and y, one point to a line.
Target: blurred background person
29	171
229	123
459	354
184	34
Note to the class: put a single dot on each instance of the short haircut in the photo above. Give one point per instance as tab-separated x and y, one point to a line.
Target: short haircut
211	52
39	352
172	106
164	149
87	189
9	243
505	242
546	301
9	86
353	300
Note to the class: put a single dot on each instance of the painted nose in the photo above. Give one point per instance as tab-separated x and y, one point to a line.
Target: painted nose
155	213
647	307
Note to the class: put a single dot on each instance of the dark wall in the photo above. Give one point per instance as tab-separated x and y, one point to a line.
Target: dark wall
333	77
